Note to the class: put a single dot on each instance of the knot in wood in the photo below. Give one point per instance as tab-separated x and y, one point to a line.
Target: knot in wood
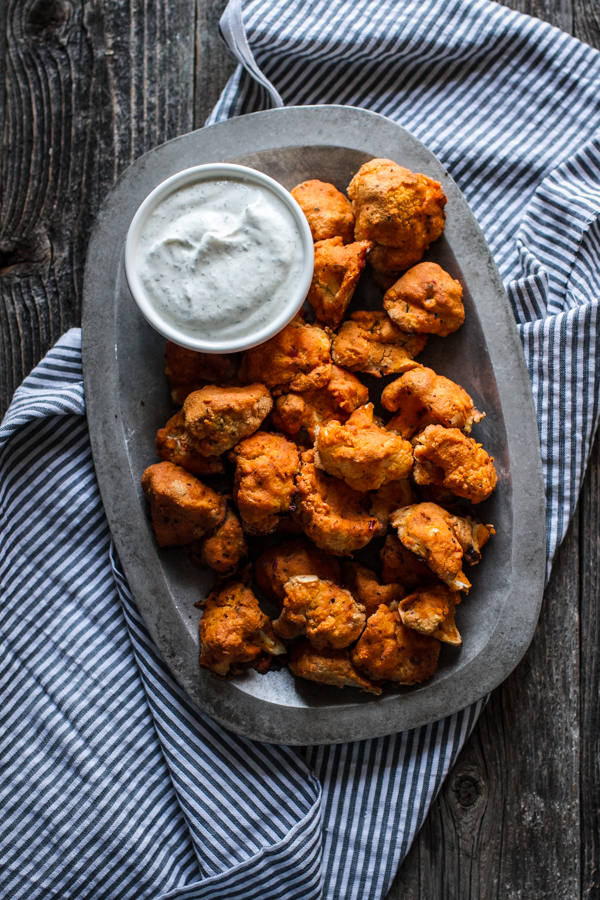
46	17
467	790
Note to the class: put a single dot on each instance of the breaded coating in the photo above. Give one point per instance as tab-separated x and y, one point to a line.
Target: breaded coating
326	614
337	270
332	514
371	343
224	548
421	398
172	445
331	667
364	455
296	359
234	632
266	466
448	458
342	395
399	565
389	497
183	509
217	418
389	651
426	300
402	211
328	211
276	565
189	370
441	539
365	586
431	611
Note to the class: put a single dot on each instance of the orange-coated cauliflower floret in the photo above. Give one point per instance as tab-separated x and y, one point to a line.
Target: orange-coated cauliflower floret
326	614
266	466
189	370
371	343
276	565
328	211
224	548
183	509
297	359
327	666
337	270
365	586
173	445
217	418
421	397
448	458
427	300
389	651
336	401
431	611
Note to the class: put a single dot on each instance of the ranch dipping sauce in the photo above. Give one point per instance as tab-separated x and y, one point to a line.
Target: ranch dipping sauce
219	259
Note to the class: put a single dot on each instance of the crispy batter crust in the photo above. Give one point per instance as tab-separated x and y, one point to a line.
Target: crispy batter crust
276	565
426	299
328	211
332	514
388	651
331	667
448	458
421	397
297	359
325	613
266	466
224	549
217	418
337	270
431	611
335	402
371	343
365	586
399	565
172	445
188	370
183	509
364	455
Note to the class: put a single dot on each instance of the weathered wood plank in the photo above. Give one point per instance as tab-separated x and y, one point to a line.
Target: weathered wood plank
88	88
214	62
589	536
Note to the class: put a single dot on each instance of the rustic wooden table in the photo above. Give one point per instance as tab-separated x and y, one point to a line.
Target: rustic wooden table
87	88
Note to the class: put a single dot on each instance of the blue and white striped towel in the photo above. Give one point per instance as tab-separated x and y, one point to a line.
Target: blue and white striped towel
113	785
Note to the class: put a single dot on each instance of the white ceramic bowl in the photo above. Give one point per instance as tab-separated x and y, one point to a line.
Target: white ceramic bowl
218	172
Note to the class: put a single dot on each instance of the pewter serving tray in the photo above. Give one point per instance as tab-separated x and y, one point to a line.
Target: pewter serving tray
128	399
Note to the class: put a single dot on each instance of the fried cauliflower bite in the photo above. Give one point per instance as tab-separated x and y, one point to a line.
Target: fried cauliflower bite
389	497
365	586
448	458
389	651
331	667
421	397
371	343
172	445
224	548
401	211
399	565
234	632
337	269
276	565
266	466
332	514
326	614
427	610
364	455
426	300
441	539
188	370
342	395
183	509
296	359
328	211
217	418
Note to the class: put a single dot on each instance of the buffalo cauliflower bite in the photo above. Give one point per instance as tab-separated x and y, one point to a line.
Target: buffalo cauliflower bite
431	611
297	359
399	565
172	445
389	651
364	455
389	497
183	509
342	395
276	565
427	300
332	514
188	370
224	548
266	466
371	343
448	458
365	587
328	211
234	632
401	211
441	539
331	667
326	614
336	273
217	418
421	398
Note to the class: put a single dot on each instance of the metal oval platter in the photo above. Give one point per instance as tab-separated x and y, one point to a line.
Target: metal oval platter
128	400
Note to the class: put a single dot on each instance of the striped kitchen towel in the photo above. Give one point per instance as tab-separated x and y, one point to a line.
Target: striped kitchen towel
113	784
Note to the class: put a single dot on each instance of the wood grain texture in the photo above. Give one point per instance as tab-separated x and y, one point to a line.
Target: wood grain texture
88	88
214	63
